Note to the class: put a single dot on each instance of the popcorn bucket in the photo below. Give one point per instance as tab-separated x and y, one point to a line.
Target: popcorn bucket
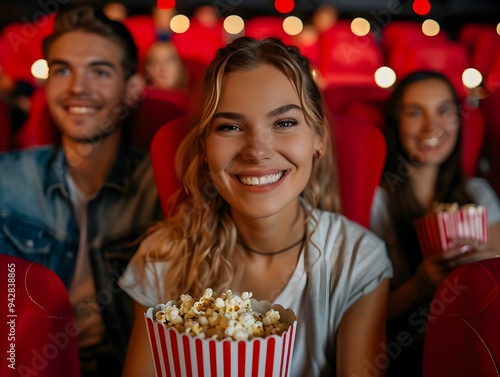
437	232
179	354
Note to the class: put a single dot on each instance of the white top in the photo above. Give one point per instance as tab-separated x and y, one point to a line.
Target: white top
341	263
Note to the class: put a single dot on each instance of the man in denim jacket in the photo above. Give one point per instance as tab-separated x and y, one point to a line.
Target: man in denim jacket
76	207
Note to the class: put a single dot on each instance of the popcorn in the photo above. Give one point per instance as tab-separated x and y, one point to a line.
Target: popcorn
226	316
449	207
221	336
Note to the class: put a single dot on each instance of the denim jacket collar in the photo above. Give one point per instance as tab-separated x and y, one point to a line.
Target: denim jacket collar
117	179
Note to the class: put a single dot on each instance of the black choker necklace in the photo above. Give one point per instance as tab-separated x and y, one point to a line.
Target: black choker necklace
247	248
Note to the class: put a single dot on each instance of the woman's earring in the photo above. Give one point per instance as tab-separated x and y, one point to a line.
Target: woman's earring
319	154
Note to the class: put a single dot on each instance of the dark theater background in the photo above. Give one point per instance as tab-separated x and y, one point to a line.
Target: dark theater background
452	12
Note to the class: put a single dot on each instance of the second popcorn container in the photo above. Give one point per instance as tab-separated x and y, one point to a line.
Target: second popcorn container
438	231
179	354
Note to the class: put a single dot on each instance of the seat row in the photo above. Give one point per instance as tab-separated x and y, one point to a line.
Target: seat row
339	54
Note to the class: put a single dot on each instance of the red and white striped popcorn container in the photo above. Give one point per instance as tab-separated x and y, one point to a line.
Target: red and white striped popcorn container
439	232
182	355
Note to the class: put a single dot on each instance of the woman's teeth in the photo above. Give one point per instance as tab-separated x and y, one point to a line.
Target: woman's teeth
261	181
430	142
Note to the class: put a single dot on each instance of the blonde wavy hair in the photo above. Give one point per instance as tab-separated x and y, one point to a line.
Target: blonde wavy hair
198	238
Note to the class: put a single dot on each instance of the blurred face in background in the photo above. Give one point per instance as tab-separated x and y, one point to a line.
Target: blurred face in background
429	121
162	18
115	11
324	18
206	15
163	67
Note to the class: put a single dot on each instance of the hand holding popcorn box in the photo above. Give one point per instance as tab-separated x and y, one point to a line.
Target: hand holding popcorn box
438	232
227	335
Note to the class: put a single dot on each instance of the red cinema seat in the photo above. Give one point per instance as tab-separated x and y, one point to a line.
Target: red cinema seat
38	332
449	58
368	112
142	28
490	107
260	27
461	338
163	148
197	47
157	107
199	43
39	128
469	33
492	80
22	46
400	33
360	149
16	55
339	97
347	58
485	48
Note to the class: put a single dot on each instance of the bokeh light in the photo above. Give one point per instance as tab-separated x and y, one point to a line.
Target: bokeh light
472	78
430	28
498	28
360	26
165	4
385	77
421	7
292	25
40	69
234	24
179	24
284	6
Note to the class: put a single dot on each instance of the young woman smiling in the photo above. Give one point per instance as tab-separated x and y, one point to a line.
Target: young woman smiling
257	213
423	166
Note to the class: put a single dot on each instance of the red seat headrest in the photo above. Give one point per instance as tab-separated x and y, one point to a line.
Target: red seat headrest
38	332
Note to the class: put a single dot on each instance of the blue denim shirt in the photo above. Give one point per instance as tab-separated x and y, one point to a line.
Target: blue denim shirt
38	221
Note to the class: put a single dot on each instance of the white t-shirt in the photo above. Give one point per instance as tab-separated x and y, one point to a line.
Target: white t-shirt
341	263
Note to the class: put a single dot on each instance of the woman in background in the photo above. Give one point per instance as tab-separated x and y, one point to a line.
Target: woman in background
423	166
163	67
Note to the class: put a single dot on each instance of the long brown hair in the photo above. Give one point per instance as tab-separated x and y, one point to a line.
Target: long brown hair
404	208
199	237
